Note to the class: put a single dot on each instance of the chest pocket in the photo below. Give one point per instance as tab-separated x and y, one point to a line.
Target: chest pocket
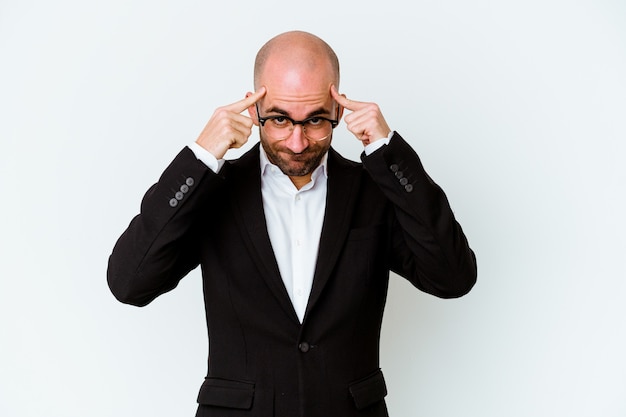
366	233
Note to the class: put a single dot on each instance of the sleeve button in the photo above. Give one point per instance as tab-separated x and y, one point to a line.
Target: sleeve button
190	182
173	202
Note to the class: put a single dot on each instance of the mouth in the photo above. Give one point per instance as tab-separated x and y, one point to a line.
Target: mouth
300	157
303	156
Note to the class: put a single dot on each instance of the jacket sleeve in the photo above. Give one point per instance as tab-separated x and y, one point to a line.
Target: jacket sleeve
159	246
428	246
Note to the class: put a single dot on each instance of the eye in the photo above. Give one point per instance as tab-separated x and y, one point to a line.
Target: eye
315	122
280	121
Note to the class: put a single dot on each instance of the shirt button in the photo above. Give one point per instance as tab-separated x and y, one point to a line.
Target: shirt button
304	347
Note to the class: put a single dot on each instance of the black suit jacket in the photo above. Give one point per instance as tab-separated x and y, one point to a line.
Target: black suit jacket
383	215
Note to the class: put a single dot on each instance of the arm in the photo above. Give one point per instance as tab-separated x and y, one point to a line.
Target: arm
428	245
160	245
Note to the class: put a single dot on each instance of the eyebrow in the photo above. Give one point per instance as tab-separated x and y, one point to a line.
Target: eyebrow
318	112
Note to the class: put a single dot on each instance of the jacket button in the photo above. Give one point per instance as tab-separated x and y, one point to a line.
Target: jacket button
399	174
173	202
304	347
179	195
189	181
404	181
394	168
408	188
184	188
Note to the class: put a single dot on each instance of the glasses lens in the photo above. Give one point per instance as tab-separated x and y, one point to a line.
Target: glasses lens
280	128
317	129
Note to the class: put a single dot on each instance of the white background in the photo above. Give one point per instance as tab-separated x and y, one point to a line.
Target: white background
517	108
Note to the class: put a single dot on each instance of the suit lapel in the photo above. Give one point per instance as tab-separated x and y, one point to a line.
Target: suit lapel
247	204
343	184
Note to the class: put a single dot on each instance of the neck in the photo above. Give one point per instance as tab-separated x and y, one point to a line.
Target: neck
300	181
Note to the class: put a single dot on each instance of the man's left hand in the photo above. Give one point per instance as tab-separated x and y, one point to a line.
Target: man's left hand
366	121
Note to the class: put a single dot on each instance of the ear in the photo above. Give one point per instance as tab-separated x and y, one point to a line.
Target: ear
339	111
252	111
341	108
335	95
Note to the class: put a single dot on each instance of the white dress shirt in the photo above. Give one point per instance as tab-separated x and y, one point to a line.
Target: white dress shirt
294	223
294	219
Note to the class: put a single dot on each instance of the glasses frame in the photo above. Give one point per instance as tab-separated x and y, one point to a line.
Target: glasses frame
333	123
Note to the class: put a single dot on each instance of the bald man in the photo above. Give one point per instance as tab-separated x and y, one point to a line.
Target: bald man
295	242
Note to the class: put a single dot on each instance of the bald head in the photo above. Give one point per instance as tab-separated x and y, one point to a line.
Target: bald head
296	50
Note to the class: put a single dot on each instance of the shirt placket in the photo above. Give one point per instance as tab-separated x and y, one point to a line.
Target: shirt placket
300	295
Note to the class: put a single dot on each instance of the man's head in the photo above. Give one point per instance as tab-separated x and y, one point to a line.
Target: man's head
297	69
300	48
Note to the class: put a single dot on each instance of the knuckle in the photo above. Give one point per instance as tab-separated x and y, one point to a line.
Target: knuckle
221	112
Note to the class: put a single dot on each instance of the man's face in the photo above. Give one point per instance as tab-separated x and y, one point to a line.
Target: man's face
297	94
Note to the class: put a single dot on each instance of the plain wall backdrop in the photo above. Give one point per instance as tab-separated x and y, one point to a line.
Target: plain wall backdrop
517	109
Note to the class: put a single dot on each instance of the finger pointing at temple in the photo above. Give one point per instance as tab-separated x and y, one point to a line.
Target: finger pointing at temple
366	121
228	128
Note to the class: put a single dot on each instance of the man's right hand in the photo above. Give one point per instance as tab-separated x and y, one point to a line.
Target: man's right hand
228	128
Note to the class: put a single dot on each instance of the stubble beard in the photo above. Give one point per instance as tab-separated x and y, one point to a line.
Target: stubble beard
295	164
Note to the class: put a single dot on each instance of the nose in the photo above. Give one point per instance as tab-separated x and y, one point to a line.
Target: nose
297	142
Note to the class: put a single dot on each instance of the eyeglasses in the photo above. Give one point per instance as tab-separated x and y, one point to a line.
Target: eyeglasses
281	127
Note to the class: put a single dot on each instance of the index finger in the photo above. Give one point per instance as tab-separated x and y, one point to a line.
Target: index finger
243	104
344	101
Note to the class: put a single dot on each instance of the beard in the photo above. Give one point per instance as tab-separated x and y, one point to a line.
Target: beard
295	164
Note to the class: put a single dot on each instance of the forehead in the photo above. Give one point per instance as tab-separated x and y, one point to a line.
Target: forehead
297	90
